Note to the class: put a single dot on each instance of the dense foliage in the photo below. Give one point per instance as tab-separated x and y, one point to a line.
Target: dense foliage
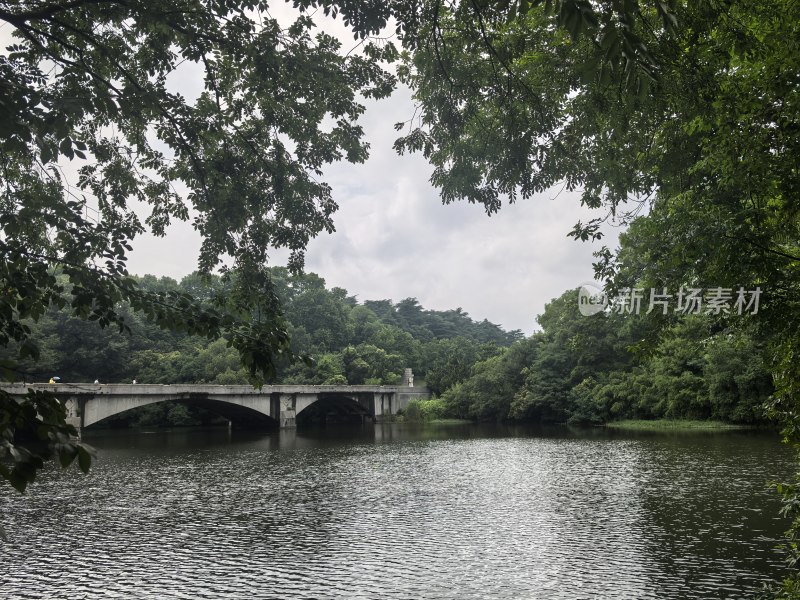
350	342
579	369
589	369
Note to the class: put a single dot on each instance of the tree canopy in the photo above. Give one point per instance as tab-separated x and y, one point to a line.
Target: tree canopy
705	139
89	83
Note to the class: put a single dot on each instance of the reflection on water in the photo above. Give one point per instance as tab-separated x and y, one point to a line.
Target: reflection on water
398	511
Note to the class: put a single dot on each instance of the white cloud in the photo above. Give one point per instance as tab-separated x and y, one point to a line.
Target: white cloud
395	239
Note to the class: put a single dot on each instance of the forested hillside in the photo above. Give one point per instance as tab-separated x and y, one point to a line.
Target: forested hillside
349	341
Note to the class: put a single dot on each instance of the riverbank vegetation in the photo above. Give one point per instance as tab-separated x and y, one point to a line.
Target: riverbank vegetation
349	342
425	411
597	369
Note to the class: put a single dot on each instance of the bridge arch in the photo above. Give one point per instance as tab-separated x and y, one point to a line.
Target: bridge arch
336	408
243	413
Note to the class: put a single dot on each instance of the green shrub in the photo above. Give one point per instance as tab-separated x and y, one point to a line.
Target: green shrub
426	410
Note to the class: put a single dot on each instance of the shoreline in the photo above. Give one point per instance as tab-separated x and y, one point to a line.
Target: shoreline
675	425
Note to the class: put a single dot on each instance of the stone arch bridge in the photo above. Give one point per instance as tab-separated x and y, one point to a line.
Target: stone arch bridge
271	406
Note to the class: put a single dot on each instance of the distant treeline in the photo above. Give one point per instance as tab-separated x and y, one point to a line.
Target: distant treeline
576	369
351	342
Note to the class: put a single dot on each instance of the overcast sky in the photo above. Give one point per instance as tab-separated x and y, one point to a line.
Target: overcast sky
394	239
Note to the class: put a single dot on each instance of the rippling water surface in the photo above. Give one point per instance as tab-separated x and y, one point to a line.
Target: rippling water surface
399	512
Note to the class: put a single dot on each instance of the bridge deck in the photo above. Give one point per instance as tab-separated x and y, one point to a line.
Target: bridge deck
170	389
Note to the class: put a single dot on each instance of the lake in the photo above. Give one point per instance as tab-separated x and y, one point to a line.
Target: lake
402	511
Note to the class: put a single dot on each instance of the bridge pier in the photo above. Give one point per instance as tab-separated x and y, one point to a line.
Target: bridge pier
74	409
287	411
383	405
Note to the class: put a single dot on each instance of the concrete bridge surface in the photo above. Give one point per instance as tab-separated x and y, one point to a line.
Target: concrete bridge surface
243	405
